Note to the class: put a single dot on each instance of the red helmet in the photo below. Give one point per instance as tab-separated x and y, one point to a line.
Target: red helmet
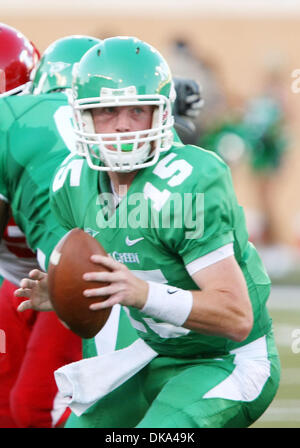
18	57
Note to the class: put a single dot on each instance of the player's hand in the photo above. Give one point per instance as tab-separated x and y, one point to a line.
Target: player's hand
189	100
35	289
124	287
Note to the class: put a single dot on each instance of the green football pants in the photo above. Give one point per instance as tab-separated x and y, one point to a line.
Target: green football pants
229	391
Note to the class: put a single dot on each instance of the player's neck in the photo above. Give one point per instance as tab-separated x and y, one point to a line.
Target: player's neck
121	181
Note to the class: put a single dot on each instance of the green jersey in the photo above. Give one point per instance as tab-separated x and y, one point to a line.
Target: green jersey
175	216
31	147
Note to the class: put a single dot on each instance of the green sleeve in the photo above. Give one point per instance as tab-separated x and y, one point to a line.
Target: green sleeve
63	206
61	210
6	119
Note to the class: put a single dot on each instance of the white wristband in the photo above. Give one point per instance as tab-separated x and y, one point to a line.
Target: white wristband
168	304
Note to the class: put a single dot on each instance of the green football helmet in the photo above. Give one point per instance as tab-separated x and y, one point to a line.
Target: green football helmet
122	71
54	71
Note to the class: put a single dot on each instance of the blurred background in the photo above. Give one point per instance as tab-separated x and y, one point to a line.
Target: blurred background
246	57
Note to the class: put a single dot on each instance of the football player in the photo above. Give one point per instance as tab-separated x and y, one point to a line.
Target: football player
180	262
18	59
39	136
36	343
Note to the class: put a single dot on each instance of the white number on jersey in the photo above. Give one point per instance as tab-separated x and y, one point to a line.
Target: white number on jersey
177	171
75	167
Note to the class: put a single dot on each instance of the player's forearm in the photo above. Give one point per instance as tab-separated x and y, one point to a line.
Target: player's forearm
215	310
221	313
211	311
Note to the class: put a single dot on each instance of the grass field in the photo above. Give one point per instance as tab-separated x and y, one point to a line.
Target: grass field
284	412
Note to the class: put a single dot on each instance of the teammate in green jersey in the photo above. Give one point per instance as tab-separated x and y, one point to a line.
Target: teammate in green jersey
30	147
181	265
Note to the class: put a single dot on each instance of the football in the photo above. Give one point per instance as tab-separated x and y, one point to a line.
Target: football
68	262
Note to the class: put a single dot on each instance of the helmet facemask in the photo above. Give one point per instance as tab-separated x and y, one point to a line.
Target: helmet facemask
131	150
20	90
